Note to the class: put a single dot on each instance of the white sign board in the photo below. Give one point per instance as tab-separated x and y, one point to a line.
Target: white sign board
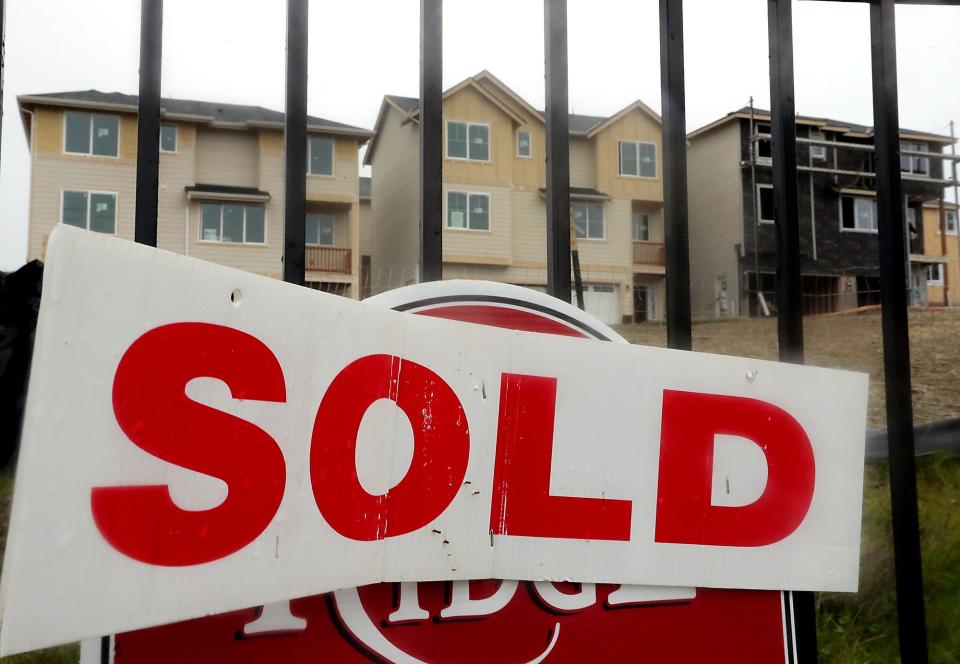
199	439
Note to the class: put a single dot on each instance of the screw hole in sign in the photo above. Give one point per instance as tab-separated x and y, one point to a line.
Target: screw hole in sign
235	297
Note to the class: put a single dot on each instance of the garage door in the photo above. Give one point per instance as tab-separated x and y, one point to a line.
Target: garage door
602	301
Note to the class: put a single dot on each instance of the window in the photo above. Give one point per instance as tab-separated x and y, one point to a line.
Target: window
588	220
320	156
951	221
168	138
466	140
96	211
638	159
523	143
320	229
912	164
90	133
935	274
641	227
468	211
765	200
817	151
231	222
858	214
763	146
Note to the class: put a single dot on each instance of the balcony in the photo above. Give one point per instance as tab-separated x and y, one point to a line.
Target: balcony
328	259
648	253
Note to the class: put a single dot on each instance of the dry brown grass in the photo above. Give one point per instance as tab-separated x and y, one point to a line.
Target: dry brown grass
845	341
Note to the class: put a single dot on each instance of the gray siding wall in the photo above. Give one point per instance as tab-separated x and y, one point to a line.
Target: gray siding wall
395	205
715	214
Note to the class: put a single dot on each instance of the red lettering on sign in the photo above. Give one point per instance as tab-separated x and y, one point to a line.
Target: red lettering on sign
522	504
441	441
152	408
685	514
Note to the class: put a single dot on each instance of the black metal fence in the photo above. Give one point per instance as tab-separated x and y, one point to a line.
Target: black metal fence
913	646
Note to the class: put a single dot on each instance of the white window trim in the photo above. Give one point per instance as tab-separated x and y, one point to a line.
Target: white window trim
468	194
333	157
633	227
656	155
91	154
333	230
89	193
446	142
755	145
956	222
872	231
821	150
603	222
176	138
914	147
935	282
760	218
243	243
530	140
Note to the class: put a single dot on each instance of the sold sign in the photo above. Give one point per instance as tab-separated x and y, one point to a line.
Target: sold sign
199	439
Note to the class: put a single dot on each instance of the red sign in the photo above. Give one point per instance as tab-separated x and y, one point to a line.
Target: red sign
717	626
487	621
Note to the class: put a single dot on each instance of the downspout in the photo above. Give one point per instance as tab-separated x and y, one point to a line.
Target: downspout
813	214
186	230
943	252
956	199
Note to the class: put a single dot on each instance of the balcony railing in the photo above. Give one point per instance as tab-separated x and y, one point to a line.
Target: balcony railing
328	259
648	253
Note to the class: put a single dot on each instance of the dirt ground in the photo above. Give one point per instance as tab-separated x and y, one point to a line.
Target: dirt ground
845	341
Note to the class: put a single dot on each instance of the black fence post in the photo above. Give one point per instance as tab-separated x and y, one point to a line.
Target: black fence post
295	146
558	149
896	338
675	231
786	215
431	140
148	122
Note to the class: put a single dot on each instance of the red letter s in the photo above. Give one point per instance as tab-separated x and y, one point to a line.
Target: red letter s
685	514
152	408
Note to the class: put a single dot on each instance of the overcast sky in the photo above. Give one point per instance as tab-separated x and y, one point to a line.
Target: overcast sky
233	51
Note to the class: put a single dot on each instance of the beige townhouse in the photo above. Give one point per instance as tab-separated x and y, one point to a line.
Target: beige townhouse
221	194
494	197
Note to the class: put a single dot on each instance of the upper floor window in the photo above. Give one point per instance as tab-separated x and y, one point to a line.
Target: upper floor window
641	227
467	140
817	151
320	229
588	220
762	143
168	138
911	163
320	156
91	133
638	159
951	221
765	203
523	144
232	222
468	211
94	210
858	214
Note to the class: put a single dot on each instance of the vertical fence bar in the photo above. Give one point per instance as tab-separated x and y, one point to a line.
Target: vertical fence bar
431	140
148	122
295	145
786	213
558	149
896	338
675	232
